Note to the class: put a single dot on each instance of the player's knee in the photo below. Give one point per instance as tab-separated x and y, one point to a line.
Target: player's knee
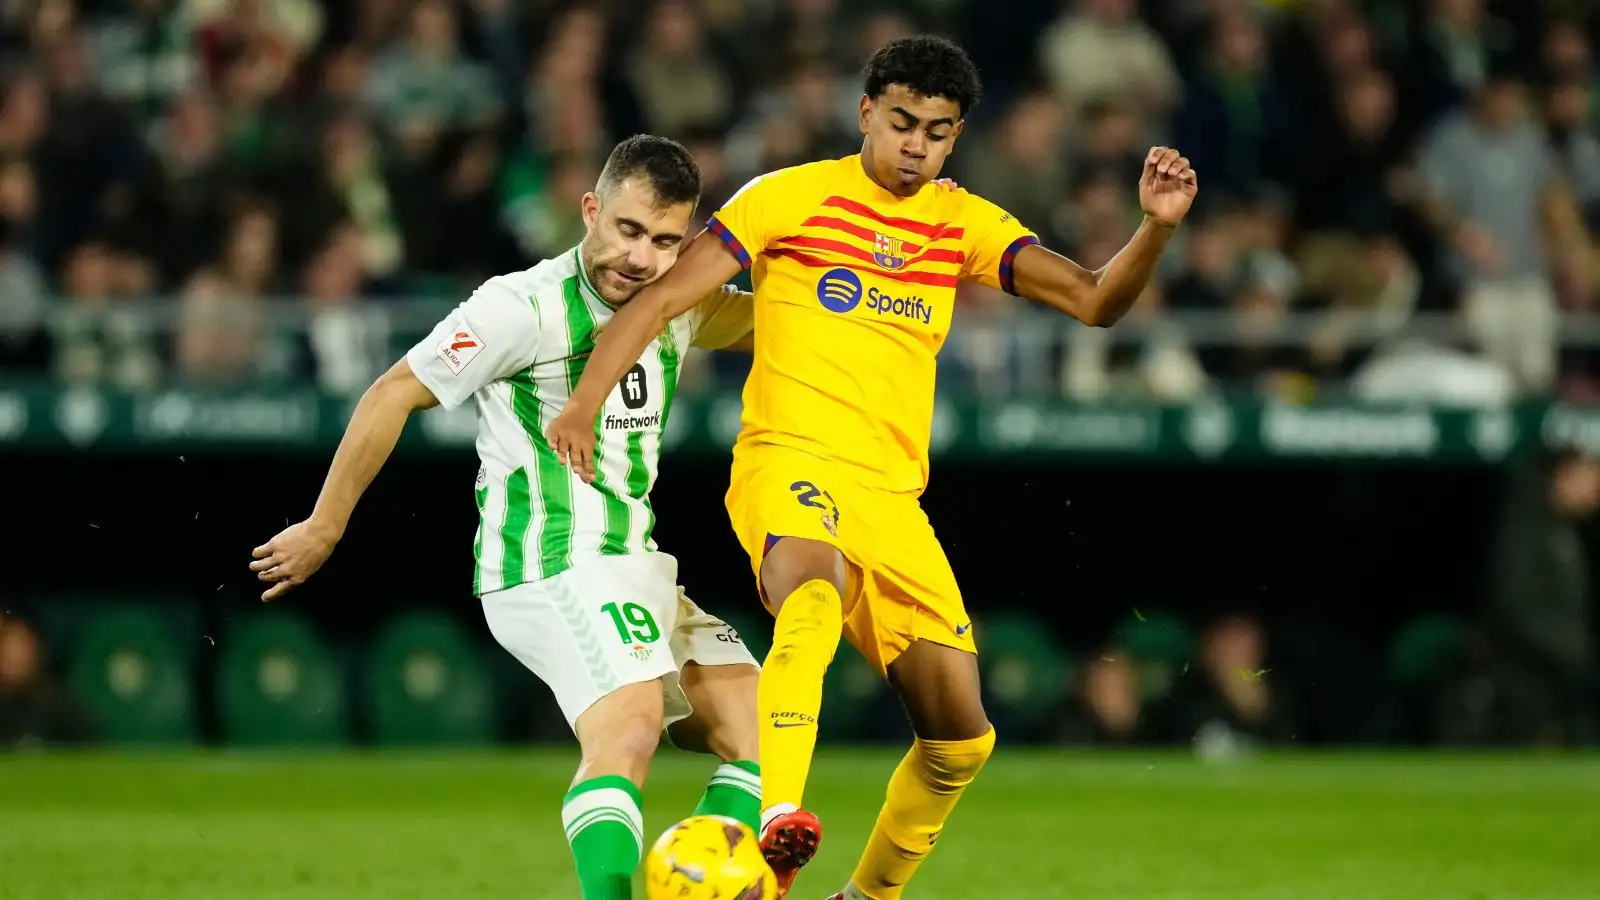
794	562
955	763
620	732
731	742
626	750
812	617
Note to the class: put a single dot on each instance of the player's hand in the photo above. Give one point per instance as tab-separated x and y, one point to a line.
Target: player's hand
1167	186
293	555
946	183
572	437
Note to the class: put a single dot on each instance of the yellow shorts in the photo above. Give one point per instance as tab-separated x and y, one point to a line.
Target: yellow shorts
901	588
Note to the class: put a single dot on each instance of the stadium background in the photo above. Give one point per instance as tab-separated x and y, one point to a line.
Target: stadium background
1327	485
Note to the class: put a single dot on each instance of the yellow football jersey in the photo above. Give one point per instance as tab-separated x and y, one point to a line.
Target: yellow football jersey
854	288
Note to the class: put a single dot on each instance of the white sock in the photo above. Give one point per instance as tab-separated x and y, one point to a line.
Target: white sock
771	812
851	892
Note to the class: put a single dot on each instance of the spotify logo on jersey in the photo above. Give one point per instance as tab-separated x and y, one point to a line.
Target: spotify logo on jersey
839	290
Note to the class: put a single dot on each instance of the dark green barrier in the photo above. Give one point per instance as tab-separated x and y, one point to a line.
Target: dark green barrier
1161	645
134	676
1025	671
42	416
426	684
279	683
1426	649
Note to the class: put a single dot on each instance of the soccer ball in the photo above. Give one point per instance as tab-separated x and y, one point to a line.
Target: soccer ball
708	858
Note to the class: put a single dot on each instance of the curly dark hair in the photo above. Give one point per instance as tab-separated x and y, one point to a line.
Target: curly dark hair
664	163
927	65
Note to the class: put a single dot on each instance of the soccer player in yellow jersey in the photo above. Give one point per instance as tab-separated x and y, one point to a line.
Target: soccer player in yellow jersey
855	263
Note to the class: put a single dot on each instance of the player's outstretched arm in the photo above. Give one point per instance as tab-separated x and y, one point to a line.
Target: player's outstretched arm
702	269
1167	189
297	552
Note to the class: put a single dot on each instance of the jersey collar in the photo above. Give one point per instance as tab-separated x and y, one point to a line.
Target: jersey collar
584	285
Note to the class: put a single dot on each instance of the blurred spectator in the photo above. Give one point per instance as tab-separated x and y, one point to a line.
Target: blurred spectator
1232	706
1537	620
567	97
1229	121
348	342
97	336
345	179
1450	55
177	209
1113	700
1019	166
1352	179
23	345
33	709
796	122
424	86
1099	51
1109	143
1569	113
224	333
801	30
547	219
143	55
1495	191
679	83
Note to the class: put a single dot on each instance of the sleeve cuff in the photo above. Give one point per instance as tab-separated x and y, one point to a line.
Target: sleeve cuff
1010	256
419	358
721	231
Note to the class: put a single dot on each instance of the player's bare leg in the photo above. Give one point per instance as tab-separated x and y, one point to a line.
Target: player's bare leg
939	687
804	582
724	724
605	827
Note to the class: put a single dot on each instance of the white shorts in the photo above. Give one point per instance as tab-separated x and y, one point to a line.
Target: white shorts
610	621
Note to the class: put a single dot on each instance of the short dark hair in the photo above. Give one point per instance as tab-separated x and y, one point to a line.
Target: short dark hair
927	65
663	163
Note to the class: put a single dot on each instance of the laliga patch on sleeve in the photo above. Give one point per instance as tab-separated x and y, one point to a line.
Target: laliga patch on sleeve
460	349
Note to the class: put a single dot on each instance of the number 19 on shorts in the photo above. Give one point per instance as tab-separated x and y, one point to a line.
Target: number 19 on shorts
633	622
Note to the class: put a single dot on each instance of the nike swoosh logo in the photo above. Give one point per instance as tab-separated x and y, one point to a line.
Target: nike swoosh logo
963	629
789	724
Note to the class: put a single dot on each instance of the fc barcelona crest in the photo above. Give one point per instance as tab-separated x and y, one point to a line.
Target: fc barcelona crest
888	252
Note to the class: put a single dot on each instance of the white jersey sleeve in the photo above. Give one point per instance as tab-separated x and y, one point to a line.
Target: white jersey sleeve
722	318
494	334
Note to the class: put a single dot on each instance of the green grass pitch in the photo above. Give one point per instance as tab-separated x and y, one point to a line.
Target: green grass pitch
248	826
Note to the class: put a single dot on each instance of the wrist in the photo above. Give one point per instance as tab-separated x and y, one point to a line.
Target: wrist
1158	222
583	405
327	526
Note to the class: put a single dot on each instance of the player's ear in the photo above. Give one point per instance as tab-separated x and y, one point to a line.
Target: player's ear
961	125
591	209
866	112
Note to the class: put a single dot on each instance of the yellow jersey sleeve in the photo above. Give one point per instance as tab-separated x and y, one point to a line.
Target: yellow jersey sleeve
993	238
760	212
722	318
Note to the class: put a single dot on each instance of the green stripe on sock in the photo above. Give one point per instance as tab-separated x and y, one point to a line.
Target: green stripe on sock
603	831
735	792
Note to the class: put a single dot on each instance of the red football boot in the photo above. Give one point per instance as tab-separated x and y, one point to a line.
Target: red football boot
788	841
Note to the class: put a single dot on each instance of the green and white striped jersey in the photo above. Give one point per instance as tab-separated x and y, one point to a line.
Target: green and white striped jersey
517	346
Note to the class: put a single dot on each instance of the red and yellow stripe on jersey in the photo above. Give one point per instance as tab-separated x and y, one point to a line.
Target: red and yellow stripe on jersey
854	292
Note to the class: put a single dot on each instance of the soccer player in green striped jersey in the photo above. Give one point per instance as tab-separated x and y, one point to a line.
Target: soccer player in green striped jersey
570	580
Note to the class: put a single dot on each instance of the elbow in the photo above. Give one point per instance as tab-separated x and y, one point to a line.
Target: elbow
1098	314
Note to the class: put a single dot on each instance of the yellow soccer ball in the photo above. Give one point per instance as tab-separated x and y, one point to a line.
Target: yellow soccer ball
708	858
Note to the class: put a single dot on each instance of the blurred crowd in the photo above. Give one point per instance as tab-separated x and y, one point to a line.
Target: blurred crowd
1361	163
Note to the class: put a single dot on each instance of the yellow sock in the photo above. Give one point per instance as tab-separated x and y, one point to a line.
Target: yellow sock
922	792
790	694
